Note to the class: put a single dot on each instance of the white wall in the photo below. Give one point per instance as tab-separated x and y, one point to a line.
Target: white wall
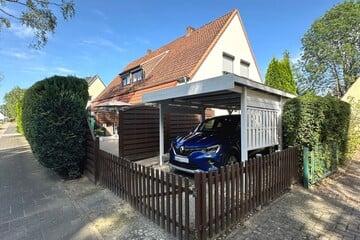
233	41
95	89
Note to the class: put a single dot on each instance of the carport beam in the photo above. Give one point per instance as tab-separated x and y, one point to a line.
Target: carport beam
161	134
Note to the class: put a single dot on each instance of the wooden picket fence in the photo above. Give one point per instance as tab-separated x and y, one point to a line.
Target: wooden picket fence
226	196
206	205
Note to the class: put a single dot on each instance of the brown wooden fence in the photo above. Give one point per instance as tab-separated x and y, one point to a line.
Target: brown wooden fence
226	196
206	205
91	169
162	197
139	131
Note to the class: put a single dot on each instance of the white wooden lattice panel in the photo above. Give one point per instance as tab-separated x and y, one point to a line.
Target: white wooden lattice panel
262	128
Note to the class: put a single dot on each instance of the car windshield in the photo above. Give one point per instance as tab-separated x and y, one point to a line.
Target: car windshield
219	125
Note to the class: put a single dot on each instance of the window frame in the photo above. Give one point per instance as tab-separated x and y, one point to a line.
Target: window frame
231	58
244	65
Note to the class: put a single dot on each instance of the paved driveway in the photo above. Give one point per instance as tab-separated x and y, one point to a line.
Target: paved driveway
32	204
329	210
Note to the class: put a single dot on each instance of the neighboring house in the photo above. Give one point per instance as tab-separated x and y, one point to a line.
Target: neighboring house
2	117
96	86
353	93
217	48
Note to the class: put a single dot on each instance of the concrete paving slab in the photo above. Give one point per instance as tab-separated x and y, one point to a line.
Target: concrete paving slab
33	204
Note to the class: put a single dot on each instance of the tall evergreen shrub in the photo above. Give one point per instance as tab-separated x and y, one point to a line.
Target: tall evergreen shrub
317	121
54	123
19	116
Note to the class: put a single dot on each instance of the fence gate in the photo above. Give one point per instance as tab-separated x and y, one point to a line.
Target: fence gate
319	163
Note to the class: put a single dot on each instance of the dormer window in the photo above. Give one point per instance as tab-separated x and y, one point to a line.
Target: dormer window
126	80
132	77
137	75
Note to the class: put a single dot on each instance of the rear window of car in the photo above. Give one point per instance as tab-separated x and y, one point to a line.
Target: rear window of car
218	124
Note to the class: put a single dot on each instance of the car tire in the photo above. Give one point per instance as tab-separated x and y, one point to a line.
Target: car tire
231	158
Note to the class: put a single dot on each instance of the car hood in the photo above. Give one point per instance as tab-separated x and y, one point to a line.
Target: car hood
199	140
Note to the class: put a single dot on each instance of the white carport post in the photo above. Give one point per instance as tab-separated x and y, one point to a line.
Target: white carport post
161	134
244	126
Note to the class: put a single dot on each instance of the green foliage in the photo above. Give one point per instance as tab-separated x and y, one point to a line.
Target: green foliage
11	98
313	121
19	117
279	75
54	123
330	59
37	15
354	130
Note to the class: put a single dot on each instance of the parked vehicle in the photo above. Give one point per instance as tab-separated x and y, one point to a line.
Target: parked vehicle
212	144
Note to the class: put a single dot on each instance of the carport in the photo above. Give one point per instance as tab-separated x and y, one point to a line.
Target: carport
260	107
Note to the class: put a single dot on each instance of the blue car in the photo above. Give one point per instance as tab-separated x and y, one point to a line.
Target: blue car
212	144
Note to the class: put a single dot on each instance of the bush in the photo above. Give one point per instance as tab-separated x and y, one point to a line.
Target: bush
19	117
54	123
354	130
313	121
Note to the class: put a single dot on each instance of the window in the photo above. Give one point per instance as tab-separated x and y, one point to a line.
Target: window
228	61
132	77
244	68
126	79
137	76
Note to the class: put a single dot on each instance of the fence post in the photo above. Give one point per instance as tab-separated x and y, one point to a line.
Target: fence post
200	206
306	166
96	160
313	156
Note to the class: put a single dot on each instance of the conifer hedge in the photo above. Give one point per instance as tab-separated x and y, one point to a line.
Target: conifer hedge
317	121
53	116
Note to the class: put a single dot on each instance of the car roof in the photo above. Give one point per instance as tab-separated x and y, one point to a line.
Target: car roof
235	116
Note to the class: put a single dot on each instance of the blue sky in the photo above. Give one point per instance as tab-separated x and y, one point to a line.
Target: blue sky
106	35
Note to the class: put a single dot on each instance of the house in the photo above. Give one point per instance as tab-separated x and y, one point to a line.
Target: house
352	95
96	86
2	117
217	48
216	57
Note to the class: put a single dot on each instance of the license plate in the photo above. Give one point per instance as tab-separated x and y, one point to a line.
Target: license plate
181	159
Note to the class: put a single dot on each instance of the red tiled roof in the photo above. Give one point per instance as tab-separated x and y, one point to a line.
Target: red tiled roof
173	61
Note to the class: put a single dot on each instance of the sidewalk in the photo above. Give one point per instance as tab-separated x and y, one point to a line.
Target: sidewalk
36	204
329	210
32	205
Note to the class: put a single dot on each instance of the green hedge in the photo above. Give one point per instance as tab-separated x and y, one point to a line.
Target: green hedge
19	117
317	121
53	116
354	130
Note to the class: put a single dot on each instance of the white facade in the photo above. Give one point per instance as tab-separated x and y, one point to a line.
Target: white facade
233	42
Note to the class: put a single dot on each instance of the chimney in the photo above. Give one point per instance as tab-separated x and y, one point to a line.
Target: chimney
148	51
189	30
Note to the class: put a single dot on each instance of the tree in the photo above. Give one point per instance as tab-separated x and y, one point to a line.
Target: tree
37	15
330	58
11	98
279	74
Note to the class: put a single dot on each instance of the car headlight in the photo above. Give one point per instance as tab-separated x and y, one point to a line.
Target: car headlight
211	150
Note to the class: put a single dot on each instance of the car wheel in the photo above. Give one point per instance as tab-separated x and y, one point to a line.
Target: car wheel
231	158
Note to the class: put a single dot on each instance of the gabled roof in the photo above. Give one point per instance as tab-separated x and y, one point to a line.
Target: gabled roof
178	59
91	80
353	93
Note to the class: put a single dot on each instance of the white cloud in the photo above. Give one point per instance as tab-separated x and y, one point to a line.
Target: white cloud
62	70
16	53
101	42
21	31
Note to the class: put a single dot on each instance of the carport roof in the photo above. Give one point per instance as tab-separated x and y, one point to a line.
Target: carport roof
219	92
